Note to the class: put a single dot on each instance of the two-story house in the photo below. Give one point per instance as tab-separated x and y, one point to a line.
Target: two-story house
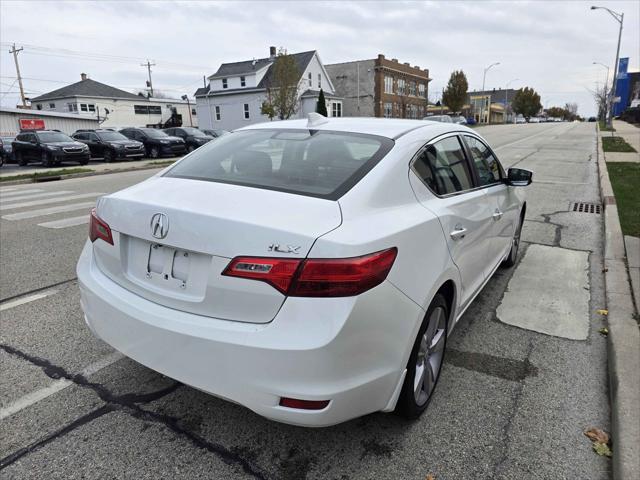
234	95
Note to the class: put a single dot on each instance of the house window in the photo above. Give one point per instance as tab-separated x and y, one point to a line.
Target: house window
39	106
218	116
224	83
72	107
421	90
52	106
193	112
147	109
246	111
388	84
243	82
388	112
400	86
336	109
319	81
310	79
412	88
92	107
83	107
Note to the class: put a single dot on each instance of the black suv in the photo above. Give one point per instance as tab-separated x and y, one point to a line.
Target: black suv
156	142
215	133
193	137
109	144
49	147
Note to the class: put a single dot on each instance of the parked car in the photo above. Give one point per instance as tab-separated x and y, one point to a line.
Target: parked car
592	119
192	137
156	142
521	120
471	121
49	147
215	133
6	149
439	118
459	119
534	120
109	144
250	269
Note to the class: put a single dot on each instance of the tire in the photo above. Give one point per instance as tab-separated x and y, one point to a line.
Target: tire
428	353
108	155
511	260
46	160
84	162
1	160
20	159
190	148
154	152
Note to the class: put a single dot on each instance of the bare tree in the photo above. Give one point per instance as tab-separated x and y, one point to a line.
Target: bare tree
601	96
282	90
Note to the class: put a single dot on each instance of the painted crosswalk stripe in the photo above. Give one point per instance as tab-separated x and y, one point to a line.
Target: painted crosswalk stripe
49	211
8	189
56	386
19	192
66	222
19	198
49	200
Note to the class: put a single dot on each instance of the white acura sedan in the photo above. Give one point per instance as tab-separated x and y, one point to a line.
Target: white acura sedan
309	270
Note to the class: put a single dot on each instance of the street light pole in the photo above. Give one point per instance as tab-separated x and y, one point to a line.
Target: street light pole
619	17
506	97
484	76
607	105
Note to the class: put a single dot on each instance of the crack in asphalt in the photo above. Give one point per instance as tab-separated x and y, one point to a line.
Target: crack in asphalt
36	290
558	226
126	403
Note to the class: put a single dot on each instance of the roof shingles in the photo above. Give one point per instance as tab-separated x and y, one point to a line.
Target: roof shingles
86	88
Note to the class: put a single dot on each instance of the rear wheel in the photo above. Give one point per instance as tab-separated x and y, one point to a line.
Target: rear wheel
515	245
425	361
84	161
46	160
20	159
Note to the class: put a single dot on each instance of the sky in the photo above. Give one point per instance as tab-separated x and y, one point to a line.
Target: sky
544	44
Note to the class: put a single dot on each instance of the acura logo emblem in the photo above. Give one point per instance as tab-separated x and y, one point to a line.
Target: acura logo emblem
159	225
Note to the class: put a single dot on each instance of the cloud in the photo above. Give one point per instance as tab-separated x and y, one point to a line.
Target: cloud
547	45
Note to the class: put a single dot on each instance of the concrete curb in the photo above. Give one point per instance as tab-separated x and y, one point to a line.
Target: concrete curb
85	174
623	341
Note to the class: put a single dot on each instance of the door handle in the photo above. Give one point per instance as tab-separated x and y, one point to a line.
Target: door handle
497	215
458	233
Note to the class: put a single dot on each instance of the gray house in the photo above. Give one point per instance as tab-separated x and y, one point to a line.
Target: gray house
235	93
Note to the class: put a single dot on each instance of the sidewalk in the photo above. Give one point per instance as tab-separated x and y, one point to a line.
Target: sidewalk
631	135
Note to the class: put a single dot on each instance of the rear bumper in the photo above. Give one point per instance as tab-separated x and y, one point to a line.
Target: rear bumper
351	351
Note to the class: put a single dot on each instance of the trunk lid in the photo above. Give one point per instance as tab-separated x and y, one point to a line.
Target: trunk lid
205	225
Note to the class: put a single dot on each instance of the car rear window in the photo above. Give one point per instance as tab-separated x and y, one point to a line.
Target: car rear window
322	164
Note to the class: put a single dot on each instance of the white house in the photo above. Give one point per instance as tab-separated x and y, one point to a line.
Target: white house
235	93
114	108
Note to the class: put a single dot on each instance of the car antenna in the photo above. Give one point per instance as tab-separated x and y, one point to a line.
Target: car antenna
316	119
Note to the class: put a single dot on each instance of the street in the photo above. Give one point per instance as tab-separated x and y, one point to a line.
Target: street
517	390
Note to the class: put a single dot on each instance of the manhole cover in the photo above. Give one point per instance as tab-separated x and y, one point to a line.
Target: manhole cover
581	207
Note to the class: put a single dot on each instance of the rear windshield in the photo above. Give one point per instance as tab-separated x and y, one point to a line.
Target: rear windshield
316	163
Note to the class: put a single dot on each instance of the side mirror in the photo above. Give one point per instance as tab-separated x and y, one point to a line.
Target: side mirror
518	177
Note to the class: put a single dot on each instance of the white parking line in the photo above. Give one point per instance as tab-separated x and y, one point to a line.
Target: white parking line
56	386
48	211
19	192
49	200
22	300
18	198
66	222
8	189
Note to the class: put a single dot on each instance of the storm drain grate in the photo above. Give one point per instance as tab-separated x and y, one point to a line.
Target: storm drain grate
581	207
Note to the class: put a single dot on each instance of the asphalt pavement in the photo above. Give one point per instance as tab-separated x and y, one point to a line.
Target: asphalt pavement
513	400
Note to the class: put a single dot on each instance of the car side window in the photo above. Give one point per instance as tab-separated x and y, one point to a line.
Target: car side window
443	168
486	163
92	136
80	136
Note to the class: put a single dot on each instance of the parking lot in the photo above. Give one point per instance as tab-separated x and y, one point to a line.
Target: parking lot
516	392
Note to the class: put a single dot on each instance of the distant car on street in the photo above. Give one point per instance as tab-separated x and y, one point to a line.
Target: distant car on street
156	142
215	133
592	119
109	144
49	147
471	121
459	119
534	120
521	120
440	118
192	137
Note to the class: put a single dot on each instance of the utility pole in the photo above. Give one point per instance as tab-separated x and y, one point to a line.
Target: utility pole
149	82
15	51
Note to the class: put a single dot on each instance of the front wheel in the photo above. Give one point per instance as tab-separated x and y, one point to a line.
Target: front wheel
425	361
20	159
47	161
154	152
511	260
108	156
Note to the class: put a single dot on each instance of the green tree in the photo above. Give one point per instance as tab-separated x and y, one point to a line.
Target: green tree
558	112
321	106
282	89
455	95
526	102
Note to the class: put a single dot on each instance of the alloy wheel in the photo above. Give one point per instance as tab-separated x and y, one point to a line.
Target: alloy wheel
430	354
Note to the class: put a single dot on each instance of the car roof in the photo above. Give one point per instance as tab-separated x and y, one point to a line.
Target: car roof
384	127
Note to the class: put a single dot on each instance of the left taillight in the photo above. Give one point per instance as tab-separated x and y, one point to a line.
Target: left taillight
98	228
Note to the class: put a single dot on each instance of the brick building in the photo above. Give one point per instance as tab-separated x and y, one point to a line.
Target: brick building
381	88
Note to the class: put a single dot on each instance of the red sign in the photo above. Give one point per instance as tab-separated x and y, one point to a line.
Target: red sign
31	124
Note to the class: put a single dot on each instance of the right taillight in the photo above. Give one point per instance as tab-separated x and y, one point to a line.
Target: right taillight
328	277
98	228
